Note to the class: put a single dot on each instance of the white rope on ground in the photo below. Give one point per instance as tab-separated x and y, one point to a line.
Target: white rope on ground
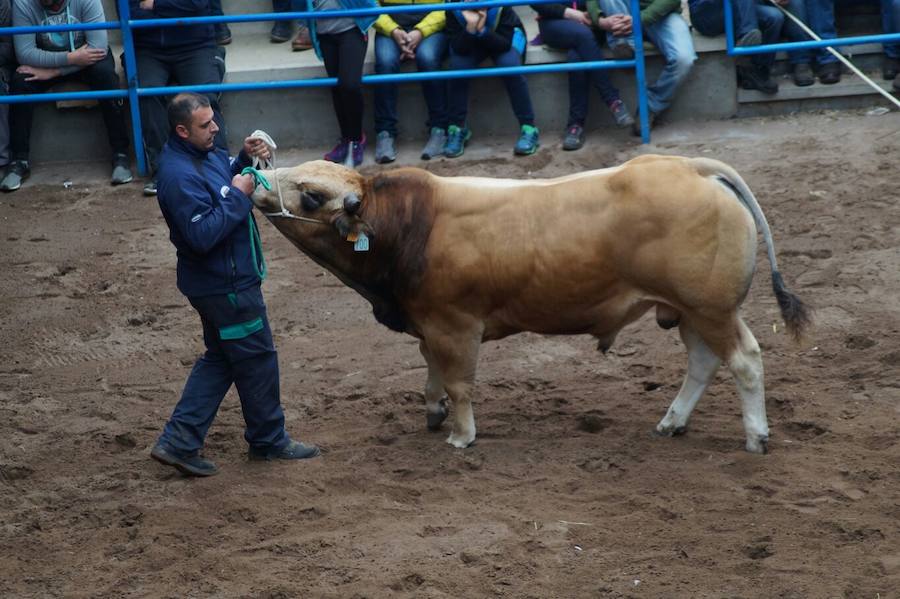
837	54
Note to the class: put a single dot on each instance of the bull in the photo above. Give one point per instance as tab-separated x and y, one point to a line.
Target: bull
457	261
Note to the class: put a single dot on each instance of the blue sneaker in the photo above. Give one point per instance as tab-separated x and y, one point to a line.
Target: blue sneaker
191	465
456	141
528	142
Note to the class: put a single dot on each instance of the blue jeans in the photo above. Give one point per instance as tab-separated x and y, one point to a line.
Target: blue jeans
708	17
672	38
430	55
239	351
890	21
818	16
516	86
582	46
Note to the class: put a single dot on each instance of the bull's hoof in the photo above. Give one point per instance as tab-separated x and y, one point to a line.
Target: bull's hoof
670	431
758	445
434	420
461	441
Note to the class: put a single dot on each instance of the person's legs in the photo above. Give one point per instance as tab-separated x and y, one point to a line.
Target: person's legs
102	75
516	87
202	66
21	115
890	20
281	30
567	34
821	21
154	70
387	60
708	17
616	7
352	51
430	56
4	120
771	22
223	33
458	89
673	39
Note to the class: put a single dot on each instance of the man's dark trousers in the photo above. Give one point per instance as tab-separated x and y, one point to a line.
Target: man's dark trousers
239	350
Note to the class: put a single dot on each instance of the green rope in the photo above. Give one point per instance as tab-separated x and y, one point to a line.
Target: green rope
258	177
259	260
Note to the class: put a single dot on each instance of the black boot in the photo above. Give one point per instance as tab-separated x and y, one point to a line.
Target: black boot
758	78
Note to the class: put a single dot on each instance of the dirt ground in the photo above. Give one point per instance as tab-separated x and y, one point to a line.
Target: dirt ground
567	492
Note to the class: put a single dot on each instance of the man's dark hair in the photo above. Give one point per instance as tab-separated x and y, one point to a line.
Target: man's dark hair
183	106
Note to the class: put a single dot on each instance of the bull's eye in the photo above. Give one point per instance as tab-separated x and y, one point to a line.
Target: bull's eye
311	201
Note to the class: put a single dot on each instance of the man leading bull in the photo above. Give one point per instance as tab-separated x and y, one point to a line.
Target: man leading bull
205	201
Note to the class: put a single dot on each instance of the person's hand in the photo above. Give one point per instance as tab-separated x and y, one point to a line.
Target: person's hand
245	183
400	38
257	147
472	17
38	73
85	56
782	2
414	38
579	16
621	25
146	4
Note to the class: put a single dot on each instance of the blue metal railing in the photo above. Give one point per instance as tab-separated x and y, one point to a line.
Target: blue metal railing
133	90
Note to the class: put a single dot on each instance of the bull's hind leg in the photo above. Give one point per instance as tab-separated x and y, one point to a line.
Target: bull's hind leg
745	363
435	398
702	366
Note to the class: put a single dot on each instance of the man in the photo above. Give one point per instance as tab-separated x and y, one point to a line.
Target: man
755	22
50	58
206	204
7	63
174	55
664	27
410	36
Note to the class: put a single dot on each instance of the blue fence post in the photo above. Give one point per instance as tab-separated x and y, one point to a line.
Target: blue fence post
640	71
132	79
729	28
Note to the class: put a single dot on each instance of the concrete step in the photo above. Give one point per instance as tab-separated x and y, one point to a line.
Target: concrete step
849	85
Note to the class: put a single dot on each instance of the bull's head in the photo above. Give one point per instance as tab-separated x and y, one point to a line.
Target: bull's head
319	190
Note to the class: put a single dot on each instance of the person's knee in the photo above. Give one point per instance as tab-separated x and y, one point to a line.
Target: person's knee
682	61
428	59
352	87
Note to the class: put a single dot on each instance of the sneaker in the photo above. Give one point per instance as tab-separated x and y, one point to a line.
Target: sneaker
281	32
754	77
121	172
622	52
803	75
223	34
890	68
356	151
636	127
303	41
751	38
621	114
384	148
294	450
830	73
16	172
574	138
528	142
195	465
338	153
435	146
457	138
150	187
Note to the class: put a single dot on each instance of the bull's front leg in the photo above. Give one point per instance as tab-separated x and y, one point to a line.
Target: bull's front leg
435	399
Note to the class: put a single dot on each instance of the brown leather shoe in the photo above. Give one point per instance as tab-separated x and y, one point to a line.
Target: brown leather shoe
302	41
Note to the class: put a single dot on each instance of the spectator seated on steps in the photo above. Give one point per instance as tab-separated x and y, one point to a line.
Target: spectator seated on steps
46	59
7	66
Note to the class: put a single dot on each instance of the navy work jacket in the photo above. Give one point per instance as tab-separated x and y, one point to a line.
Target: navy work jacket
210	222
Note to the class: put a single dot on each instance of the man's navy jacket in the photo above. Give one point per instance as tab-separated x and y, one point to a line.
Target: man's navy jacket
210	221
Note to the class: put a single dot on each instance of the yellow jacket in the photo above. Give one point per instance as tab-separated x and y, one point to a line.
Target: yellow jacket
431	23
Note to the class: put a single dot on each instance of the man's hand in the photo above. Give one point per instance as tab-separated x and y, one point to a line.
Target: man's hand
257	147
472	17
245	183
85	56
146	4
618	25
38	73
414	38
579	16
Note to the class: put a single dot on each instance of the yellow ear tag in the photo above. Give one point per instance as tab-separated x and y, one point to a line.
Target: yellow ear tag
352	237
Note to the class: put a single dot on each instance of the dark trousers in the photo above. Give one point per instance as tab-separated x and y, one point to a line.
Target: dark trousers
343	54
516	86
239	351
157	68
100	75
708	17
582	46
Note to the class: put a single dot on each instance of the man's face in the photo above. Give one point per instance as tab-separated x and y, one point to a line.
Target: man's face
202	131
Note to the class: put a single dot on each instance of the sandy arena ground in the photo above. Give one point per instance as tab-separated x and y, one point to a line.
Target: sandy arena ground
567	492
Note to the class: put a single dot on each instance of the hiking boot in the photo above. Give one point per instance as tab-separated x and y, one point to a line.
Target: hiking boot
622	52
890	68
830	73
435	145
574	138
384	148
16	173
191	465
303	41
121	172
751	38
294	450
356	151
803	75
339	152
528	142
757	78
282	31
223	34
636	127
150	187
457	138
621	114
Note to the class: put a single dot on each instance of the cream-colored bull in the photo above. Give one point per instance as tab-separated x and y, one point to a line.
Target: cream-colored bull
457	261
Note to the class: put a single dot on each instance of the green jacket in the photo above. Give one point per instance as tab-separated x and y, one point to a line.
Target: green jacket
654	10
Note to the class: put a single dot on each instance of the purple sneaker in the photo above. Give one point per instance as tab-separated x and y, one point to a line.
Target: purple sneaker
339	152
357	152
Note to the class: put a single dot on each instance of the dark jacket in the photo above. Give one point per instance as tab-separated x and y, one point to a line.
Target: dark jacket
170	39
209	220
500	26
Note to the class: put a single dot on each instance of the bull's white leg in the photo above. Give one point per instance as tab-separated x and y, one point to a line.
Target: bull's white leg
746	365
463	433
702	366
435	399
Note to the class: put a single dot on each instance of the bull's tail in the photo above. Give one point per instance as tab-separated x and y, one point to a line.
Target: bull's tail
795	313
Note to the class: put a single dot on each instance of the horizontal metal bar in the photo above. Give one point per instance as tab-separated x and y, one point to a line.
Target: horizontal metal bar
50	28
813	44
325	81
